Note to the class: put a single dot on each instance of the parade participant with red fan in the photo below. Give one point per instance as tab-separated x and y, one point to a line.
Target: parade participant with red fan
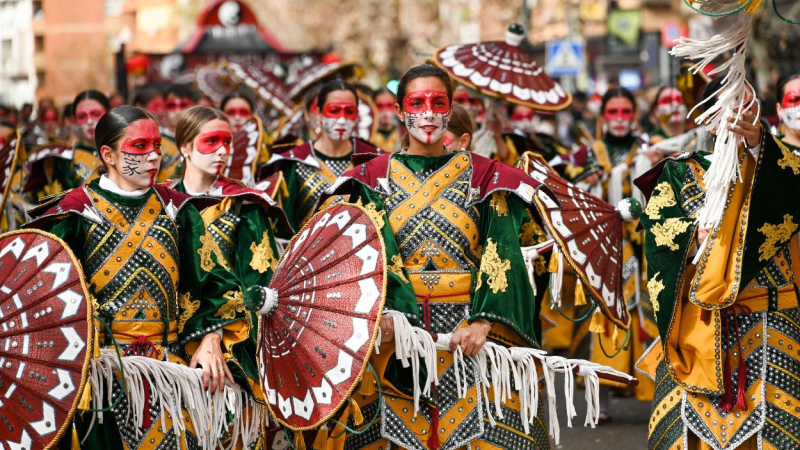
239	224
159	283
454	264
313	166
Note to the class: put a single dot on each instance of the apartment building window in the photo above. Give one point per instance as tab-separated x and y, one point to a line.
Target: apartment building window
38	44
38	12
40	78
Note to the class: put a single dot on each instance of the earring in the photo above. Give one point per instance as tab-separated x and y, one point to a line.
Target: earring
318	130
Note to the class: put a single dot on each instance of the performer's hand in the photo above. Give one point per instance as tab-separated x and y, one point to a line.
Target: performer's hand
744	127
387	329
654	156
702	233
471	338
209	356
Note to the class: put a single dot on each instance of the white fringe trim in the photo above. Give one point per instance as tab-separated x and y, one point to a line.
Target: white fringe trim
506	364
177	389
730	103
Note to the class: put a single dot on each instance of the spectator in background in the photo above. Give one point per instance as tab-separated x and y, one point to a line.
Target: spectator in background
116	99
151	101
178	98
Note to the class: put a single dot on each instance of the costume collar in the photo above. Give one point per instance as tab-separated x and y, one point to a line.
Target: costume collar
110	186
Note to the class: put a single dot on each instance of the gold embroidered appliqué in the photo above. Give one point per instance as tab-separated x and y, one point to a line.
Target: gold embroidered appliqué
397	267
209	247
374	214
499	203
775	234
654	288
234	305
790	160
663	197
665	233
495	267
188	308
263	256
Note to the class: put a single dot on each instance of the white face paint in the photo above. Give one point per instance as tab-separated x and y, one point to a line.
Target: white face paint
87	130
676	113
338	128
427	126
791	117
522	125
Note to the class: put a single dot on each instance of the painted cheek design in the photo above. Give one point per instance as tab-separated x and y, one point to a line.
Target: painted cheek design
336	110
427	127
210	142
791	99
791	117
421	101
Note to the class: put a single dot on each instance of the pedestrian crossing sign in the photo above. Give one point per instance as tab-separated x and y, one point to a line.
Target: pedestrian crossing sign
565	58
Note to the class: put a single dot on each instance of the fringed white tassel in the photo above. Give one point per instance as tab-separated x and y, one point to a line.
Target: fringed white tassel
177	389
730	103
557	279
530	255
591	394
615	184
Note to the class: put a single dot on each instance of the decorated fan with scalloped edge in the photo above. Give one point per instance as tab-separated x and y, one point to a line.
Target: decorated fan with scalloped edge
321	315
45	328
264	83
214	81
588	231
501	69
367	117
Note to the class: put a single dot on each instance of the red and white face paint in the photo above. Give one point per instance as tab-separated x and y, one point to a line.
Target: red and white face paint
212	149
618	116
339	120
427	113
238	112
386	110
140	154
87	114
522	119
670	107
790	106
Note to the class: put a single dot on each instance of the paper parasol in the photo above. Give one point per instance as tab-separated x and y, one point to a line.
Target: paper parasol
588	231
264	83
321	315
8	161
500	69
321	72
46	324
214	81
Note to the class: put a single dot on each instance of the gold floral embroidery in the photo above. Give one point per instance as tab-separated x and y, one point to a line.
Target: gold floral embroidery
397	267
790	160
499	203
263	257
665	233
495	267
663	196
53	188
654	288
209	247
531	234
234	305
775	234
188	308
572	171
374	214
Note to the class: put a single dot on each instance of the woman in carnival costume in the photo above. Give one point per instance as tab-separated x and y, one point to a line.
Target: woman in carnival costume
240	225
789	110
312	167
157	281
451	225
725	298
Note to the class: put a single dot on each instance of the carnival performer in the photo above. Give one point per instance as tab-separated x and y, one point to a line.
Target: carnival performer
725	299
158	279
238	108
62	168
177	99
788	107
451	233
614	163
312	167
458	136
669	115
151	101
388	136
239	223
